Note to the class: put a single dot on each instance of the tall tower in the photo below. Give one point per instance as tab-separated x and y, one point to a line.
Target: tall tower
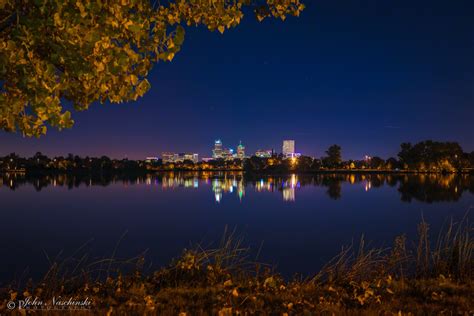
217	151
288	148
241	151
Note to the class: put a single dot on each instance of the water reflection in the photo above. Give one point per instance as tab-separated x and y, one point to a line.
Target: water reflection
228	185
427	188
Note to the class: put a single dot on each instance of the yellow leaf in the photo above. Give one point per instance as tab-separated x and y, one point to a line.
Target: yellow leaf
109	312
13	296
100	67
226	311
269	282
128	24
221	29
82	9
57	19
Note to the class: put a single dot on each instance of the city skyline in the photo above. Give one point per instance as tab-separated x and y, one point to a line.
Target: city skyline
262	152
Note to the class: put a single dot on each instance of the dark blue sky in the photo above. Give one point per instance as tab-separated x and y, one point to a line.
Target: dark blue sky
367	75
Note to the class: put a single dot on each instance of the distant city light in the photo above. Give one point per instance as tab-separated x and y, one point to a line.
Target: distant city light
288	148
219	152
264	153
169	157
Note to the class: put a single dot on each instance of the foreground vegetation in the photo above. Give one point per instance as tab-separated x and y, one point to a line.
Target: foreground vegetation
79	52
417	278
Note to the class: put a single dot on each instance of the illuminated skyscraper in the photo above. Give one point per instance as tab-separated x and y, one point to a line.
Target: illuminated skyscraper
288	148
217	151
241	151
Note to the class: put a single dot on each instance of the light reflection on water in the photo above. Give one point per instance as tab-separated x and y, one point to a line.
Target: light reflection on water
303	219
232	184
422	187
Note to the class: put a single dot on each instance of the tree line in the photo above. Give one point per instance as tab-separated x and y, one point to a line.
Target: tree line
425	156
40	163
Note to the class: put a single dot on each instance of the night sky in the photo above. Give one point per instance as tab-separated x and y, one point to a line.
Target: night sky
366	75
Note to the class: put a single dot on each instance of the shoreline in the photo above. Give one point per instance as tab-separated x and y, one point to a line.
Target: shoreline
246	172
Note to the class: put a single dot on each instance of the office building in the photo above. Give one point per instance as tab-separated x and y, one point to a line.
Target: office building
190	156
240	151
169	157
288	148
264	153
217	151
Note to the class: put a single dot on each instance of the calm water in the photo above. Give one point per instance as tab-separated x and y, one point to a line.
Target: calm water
302	221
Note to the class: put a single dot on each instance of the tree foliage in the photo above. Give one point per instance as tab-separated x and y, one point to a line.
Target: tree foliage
432	155
60	53
334	157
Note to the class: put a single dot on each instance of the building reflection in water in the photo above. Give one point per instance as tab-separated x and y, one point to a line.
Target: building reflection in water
427	188
368	185
286	185
228	185
289	187
232	183
289	194
173	181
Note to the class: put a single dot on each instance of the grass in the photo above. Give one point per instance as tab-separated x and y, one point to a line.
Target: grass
417	278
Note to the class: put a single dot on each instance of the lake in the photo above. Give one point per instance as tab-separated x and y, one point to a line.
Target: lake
299	221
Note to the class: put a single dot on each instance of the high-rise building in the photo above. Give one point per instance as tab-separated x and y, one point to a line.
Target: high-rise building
220	152
288	148
217	151
240	151
228	153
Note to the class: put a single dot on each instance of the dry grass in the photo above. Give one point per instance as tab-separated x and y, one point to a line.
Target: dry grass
454	249
422	279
